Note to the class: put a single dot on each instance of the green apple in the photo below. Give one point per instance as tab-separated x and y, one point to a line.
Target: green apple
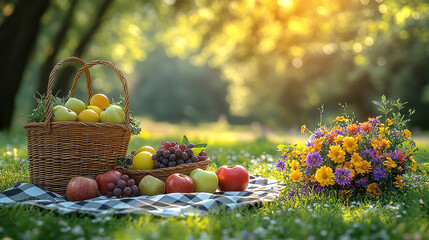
76	105
204	181
150	185
62	113
113	114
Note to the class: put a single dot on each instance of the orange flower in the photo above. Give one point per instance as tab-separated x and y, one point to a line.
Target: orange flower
407	133
352	128
373	190
341	119
385	143
399	181
303	128
389	122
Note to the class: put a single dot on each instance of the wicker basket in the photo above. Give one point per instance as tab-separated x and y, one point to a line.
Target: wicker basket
163	173
59	151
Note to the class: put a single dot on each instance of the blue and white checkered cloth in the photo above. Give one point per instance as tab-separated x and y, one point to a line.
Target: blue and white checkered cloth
258	191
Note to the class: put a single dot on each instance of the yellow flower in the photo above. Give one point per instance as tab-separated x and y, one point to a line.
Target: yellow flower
338	139
374	143
385	143
308	149
303	128
325	176
336	154
389	163
383	130
318	144
412	160
358	138
389	122
295	154
341	119
399	181
296	176
348	165
356	160
350	144
407	133
413	167
304	160
313	178
364	167
294	165
373	190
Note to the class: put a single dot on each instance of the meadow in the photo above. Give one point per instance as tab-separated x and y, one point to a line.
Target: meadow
397	216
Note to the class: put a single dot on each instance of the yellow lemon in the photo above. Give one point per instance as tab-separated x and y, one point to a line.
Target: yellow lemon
143	161
95	109
148	149
88	115
100	100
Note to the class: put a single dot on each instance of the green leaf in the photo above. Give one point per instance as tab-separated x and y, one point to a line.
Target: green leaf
201	145
185	140
197	150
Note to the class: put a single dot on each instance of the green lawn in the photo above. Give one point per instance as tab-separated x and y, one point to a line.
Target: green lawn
402	216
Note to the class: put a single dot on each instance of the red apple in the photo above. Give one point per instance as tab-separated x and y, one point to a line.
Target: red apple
232	178
106	178
81	188
179	183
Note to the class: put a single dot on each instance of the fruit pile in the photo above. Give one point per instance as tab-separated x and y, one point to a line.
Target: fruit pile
114	183
99	110
171	154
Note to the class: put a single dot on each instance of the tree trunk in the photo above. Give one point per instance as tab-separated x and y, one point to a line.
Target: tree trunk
56	45
18	35
65	76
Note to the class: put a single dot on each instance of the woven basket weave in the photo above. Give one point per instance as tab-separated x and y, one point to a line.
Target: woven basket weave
59	151
163	173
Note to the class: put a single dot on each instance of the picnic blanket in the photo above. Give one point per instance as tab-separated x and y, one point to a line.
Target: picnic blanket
258	191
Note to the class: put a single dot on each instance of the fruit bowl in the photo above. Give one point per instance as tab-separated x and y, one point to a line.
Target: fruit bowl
163	173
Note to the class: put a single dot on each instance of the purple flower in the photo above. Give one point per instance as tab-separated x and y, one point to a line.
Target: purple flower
379	173
343	176
291	193
318	190
362	181
281	166
339	132
367	154
304	190
314	159
310	144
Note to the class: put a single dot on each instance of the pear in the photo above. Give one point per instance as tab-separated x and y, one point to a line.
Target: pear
62	113
150	185
76	105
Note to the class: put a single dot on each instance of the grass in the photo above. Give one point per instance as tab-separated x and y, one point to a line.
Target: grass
401	216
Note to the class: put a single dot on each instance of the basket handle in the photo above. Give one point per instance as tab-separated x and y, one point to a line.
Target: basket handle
121	78
48	107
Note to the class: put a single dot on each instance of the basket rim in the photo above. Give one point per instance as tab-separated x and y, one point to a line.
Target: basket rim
160	170
76	123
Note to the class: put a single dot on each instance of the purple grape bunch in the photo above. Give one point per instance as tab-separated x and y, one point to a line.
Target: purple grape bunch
172	154
124	187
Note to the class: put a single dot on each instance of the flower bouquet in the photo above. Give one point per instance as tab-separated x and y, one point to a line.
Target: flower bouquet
352	158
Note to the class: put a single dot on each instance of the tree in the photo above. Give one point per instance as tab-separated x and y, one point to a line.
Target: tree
18	34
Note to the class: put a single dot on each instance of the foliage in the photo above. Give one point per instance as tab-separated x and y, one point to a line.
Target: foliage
353	158
39	112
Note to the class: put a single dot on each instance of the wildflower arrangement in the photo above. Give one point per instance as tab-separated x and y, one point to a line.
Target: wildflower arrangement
352	158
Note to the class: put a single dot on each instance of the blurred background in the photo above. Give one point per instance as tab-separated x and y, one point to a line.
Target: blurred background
266	64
